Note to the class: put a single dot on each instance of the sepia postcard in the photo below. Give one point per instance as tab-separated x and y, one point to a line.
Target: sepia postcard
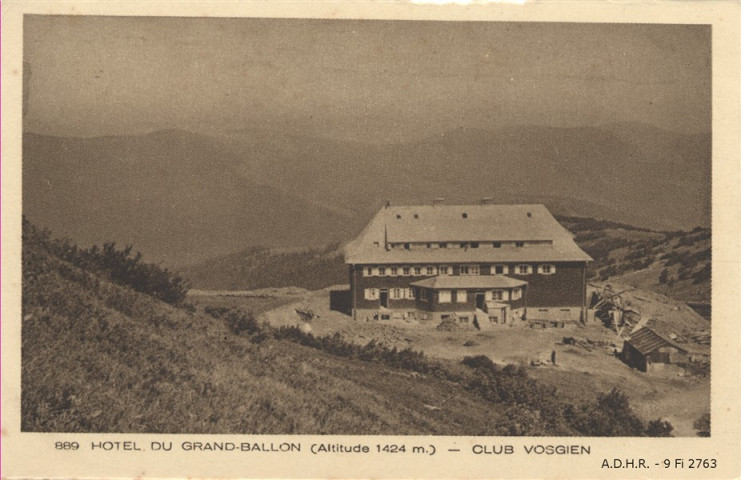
370	239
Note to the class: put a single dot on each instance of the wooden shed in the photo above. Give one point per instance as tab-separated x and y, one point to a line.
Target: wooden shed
646	350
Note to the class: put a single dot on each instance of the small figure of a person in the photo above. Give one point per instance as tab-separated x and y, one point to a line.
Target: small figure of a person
553	357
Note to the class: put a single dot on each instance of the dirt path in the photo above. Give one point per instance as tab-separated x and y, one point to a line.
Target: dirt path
579	374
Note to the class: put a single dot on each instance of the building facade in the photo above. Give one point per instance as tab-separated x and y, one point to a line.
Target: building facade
646	350
479	264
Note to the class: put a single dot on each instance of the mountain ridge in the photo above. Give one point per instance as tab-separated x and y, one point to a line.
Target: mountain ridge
184	197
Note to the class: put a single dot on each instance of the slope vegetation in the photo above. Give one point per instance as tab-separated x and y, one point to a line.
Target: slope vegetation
101	357
676	264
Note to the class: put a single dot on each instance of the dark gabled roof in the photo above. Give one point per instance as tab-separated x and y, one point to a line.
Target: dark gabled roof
646	341
469	281
447	223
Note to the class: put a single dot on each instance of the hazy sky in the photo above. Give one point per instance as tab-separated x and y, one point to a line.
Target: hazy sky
374	81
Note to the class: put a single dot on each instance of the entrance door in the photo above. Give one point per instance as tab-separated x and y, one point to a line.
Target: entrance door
480	301
384	298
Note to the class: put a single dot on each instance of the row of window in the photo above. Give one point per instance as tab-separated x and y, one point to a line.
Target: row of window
394	293
431	270
444	296
488	244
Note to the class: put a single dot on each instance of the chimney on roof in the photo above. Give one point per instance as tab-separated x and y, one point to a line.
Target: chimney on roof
438	201
388	204
486	201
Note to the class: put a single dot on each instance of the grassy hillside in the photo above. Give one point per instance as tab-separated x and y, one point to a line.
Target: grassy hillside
100	357
676	264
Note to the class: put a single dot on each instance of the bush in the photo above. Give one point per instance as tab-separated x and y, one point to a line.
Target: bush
479	361
120	266
702	275
129	270
702	425
610	416
664	276
659	428
242	323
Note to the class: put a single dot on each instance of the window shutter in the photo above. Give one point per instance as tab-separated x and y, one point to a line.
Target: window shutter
546	269
529	269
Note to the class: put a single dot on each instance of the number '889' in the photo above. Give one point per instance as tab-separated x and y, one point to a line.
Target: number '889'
66	445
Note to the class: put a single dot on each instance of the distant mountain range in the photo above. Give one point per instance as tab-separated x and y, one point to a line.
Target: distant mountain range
182	198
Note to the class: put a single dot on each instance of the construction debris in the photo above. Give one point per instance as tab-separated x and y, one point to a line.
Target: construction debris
448	325
306	314
612	309
587	343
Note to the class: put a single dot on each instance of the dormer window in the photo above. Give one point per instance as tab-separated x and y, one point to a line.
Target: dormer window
474	244
497	244
465	215
398	216
416	215
406	246
519	244
443	245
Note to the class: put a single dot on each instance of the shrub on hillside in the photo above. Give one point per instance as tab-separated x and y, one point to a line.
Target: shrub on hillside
702	425
128	269
120	266
702	275
479	361
664	276
659	428
406	358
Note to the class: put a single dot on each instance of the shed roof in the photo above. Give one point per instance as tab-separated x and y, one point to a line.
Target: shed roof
469	281
464	223
646	341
